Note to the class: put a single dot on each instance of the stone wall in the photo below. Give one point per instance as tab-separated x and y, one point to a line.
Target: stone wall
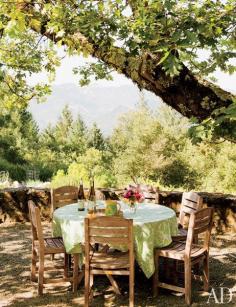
14	203
14	208
223	204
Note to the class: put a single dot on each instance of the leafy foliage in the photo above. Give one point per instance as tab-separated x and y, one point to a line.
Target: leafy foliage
171	32
222	124
167	156
18	141
144	147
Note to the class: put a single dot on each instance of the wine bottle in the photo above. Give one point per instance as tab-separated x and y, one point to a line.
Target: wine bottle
81	190
81	197
92	195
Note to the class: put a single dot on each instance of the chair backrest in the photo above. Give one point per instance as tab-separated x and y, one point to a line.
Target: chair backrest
191	202
112	231
63	196
36	226
200	222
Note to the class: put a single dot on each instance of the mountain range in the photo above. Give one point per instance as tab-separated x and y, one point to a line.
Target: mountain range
102	105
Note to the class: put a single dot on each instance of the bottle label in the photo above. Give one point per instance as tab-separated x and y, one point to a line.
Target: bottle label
80	204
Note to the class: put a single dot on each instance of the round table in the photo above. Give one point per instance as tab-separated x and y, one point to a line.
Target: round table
153	227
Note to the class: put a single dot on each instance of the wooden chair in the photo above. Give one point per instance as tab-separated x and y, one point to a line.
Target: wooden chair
47	246
191	202
189	253
109	231
63	196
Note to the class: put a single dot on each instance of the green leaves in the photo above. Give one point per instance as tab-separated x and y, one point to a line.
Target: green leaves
172	65
16	23
93	70
119	33
221	125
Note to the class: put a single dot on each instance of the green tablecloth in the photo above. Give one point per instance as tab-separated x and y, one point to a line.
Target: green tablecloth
153	227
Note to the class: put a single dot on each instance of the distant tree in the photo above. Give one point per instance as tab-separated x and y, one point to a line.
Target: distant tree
78	135
64	124
131	141
18	141
18	135
63	143
95	138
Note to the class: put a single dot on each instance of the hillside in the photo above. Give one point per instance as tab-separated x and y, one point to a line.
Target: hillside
102	105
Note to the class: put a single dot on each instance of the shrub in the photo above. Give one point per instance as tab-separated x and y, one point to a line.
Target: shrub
16	171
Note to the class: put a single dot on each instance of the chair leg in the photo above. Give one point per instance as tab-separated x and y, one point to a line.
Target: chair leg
40	274
75	272
187	282
131	286
91	281
66	263
69	261
206	273
114	284
86	288
196	266
33	266
156	275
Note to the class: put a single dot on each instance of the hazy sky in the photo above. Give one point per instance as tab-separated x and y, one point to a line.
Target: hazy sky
65	75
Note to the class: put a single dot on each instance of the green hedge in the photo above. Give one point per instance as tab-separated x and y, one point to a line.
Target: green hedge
16	171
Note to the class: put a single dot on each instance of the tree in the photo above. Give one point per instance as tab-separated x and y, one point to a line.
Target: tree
19	142
95	138
18	135
132	143
63	143
155	43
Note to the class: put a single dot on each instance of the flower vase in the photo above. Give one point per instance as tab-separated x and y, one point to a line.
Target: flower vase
132	205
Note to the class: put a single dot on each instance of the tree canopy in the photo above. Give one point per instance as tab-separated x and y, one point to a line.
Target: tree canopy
155	43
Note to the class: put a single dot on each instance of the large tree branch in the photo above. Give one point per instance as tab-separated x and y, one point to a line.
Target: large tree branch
187	93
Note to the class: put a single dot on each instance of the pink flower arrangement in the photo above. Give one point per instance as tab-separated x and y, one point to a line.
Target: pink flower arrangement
133	195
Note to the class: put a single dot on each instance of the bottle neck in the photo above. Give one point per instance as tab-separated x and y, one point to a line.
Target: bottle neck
92	191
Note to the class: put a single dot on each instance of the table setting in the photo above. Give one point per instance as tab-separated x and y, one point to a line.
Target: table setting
153	226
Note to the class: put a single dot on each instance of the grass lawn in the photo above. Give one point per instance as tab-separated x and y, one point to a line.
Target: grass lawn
17	290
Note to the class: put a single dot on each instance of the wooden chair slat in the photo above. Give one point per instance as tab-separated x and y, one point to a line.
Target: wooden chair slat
201	223
188	210
199	230
109	240
108	256
190	204
66	197
66	189
193	196
108	232
111	222
111	266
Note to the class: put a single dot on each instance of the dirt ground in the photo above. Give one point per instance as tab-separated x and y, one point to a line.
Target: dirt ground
17	290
